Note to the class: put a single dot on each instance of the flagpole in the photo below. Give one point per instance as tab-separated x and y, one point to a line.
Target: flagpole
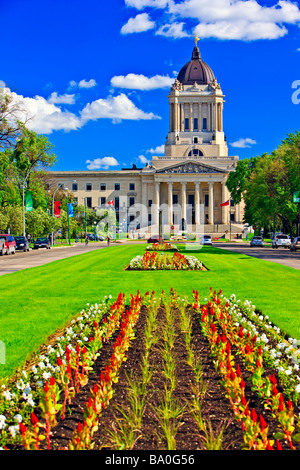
230	216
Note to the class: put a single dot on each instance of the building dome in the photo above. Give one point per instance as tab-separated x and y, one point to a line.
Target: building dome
196	71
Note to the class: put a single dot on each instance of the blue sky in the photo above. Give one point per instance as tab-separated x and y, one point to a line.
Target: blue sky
94	75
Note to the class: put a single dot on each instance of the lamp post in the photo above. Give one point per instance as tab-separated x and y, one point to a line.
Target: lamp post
95	225
59	186
68	215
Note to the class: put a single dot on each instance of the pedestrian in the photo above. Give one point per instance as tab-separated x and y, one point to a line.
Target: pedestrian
108	240
86	240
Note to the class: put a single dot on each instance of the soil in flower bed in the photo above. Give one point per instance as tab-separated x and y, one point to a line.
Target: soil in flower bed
215	409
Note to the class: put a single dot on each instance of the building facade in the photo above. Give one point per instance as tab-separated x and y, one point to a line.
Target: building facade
187	185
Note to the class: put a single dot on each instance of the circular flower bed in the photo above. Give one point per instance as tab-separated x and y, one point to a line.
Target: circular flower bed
165	261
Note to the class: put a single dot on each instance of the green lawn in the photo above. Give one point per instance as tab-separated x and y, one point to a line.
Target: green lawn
37	301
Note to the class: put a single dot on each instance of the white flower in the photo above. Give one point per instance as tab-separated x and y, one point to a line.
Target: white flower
13	430
18	418
2	421
7	395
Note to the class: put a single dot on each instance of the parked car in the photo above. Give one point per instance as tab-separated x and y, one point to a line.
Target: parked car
257	241
22	244
206	240
281	240
153	239
42	242
295	244
9	244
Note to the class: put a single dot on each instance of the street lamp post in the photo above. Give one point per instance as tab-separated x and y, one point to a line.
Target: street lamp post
68	215
59	186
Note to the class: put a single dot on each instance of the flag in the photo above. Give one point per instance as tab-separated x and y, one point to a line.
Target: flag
28	201
71	210
225	203
111	203
57	209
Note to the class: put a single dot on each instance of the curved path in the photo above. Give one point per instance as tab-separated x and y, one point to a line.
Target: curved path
33	258
281	255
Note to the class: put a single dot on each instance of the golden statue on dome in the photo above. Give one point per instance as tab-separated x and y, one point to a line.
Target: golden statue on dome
196	39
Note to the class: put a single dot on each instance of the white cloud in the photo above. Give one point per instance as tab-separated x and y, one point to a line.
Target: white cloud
101	163
141	4
133	81
172	30
243	143
160	149
139	24
143	159
224	19
44	117
83	83
241	30
87	84
116	108
54	98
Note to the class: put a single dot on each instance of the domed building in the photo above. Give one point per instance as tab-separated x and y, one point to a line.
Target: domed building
187	185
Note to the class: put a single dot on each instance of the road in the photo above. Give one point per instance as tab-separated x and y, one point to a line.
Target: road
281	255
33	258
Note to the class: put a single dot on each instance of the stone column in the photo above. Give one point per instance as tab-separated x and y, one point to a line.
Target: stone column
197	203
176	116
183	202
224	208
191	118
170	203
211	203
157	202
144	221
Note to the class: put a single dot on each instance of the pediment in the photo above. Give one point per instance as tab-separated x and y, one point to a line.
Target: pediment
190	167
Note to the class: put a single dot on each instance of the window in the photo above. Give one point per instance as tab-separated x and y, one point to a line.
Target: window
195	124
117	203
195	140
103	201
88	186
204	123
149	219
196	153
131	201
102	187
175	198
75	201
131	218
74	187
150	203
231	203
117	186
131	186
206	200
186	124
89	202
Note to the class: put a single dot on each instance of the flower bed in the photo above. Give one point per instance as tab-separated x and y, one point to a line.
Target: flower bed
177	353
162	247
165	261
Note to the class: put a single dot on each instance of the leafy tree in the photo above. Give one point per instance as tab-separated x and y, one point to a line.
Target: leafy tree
11	218
10	125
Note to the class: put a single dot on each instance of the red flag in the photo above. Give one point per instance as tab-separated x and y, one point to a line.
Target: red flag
57	209
225	203
111	203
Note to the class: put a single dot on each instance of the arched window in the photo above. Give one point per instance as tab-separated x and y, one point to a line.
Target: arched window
195	153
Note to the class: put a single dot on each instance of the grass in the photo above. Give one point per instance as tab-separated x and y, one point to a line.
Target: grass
36	302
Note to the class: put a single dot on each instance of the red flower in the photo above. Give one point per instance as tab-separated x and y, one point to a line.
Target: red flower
232	374
33	419
253	415
262	423
52	381
289	405
59	361
238	370
269	447
279	446
22	428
